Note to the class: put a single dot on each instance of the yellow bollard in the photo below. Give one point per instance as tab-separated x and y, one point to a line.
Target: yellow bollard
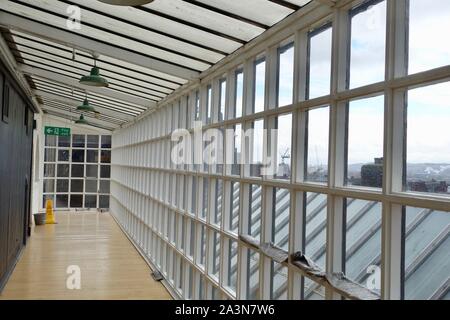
50	217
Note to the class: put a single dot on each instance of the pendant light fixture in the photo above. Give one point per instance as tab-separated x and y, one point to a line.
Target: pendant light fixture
86	107
94	79
81	120
126	2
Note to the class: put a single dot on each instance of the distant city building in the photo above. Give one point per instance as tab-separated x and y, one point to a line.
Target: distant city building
428	186
372	174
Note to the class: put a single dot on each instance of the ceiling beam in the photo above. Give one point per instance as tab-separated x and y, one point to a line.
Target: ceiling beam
68	81
79	42
76	103
74	116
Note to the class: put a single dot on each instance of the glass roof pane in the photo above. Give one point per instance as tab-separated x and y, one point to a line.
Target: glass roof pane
91	19
25	45
106	59
105	36
162	24
268	12
114	79
206	18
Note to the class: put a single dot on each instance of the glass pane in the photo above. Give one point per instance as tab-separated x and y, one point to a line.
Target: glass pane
222	100
91	171
92	156
319	73
231	277
49	185
365	142
92	141
313	291
63	155
427	259
104	186
50	155
76	201
63	170
239	93
252	279
260	85
368	37
218	202
208	104
77	171
236	150
106	142
197	106
280	217
78	141
103	202
90	201
278	281
64	142
62	201
215	266
254	219
202	246
105	171
363	243
256	160
234	207
283	150
205	196
315	228
49	170
50	141
317	145
76	185
62	185
77	155
426	23
194	196
428	141
285	75
91	186
106	156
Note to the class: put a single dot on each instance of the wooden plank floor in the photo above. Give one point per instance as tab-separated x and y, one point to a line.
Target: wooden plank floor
111	268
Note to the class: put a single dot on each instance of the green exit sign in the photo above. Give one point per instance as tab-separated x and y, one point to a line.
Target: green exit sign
55	131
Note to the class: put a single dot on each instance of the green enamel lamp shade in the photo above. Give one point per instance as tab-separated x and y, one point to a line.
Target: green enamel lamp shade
126	2
86	106
82	120
94	79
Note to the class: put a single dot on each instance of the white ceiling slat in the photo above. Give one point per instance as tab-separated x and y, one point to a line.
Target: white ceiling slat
206	18
72	40
35	48
106	37
164	25
75	115
35	41
267	12
125	29
101	98
120	81
79	96
74	83
76	103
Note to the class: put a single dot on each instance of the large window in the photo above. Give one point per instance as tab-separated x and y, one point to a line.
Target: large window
81	166
368	39
354	173
428	143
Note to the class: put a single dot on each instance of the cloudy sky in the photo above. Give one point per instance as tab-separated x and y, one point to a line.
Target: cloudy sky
428	137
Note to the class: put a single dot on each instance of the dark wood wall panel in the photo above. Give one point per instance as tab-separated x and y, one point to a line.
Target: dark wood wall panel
16	138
